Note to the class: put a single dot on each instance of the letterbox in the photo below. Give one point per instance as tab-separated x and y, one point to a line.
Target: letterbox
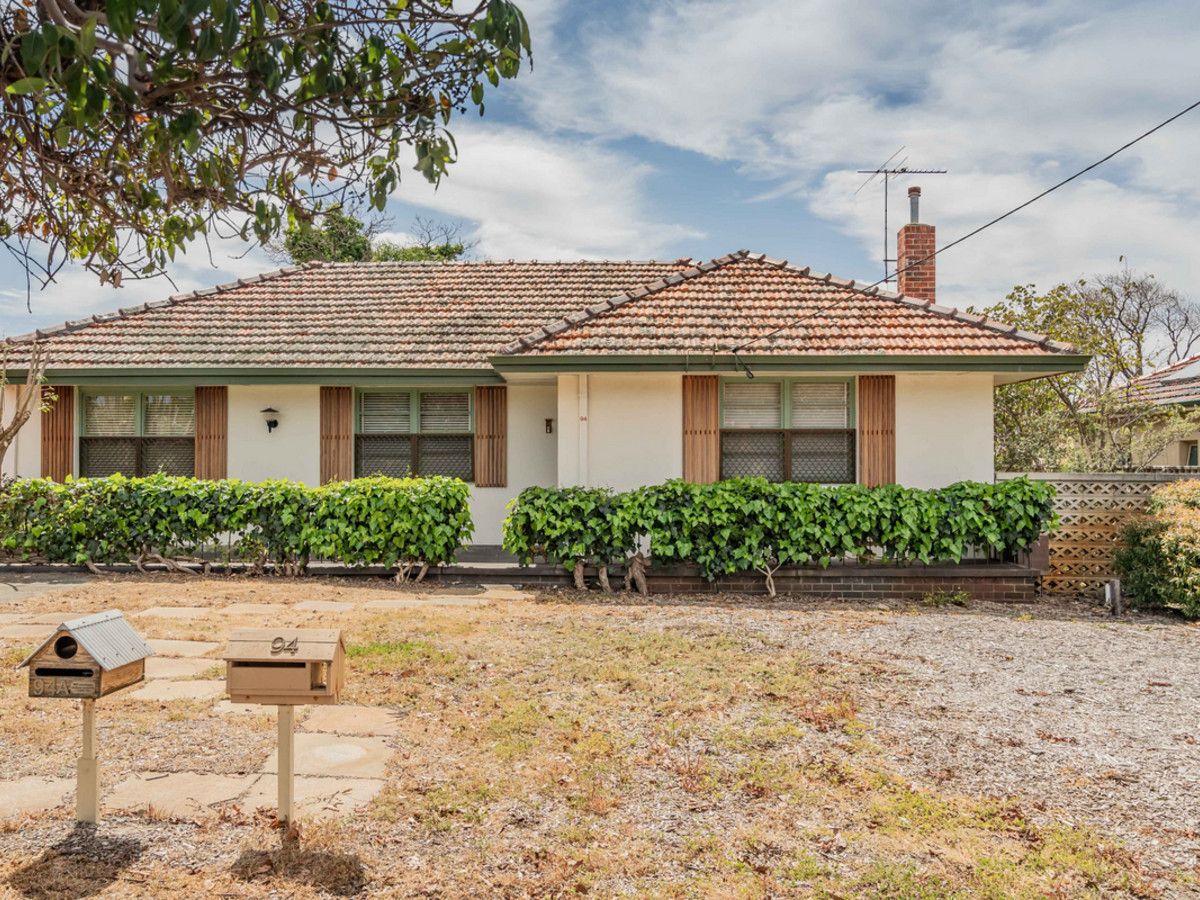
88	658
285	666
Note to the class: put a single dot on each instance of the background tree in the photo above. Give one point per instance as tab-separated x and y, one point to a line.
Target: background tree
340	237
132	127
1130	324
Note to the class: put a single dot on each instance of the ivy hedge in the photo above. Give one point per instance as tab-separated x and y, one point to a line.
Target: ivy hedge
1159	560
406	524
750	524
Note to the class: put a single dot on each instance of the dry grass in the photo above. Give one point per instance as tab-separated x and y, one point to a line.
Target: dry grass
547	749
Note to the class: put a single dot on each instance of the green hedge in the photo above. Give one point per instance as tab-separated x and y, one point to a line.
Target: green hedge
750	524
1159	560
403	523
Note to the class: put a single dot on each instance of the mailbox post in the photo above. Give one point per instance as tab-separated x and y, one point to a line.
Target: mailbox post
85	659
285	668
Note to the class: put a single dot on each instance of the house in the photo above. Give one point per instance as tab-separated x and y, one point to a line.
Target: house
510	374
1174	385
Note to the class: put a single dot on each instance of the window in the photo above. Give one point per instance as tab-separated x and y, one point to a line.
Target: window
137	433
788	430
1192	456
403	433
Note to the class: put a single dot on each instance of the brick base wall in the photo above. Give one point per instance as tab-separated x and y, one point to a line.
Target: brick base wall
998	582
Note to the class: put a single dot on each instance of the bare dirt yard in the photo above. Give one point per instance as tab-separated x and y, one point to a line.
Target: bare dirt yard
512	744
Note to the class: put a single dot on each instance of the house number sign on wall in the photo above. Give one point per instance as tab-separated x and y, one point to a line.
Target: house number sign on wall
281	645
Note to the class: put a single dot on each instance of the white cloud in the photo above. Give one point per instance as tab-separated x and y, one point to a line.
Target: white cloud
1010	98
547	198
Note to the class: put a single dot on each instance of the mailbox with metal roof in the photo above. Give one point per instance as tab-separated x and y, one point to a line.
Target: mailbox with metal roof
285	666
87	658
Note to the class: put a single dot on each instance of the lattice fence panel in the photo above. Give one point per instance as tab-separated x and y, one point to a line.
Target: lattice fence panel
1093	510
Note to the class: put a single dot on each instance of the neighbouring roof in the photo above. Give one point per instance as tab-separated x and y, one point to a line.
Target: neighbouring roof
107	637
459	315
717	306
1177	383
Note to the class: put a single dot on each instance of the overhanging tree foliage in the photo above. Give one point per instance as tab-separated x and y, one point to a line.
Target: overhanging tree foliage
131	127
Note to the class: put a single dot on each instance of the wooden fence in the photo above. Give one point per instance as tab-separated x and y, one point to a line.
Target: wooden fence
1093	508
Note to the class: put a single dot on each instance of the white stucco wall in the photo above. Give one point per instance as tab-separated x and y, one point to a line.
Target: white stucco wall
630	434
293	450
944	429
24	457
532	457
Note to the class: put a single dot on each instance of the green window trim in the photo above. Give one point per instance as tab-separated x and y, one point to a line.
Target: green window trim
139	396
782	450
141	451
417	449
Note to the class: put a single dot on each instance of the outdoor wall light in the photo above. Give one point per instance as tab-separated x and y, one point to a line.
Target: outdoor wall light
271	417
549	426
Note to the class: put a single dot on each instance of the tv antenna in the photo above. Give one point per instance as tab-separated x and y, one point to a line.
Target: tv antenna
889	170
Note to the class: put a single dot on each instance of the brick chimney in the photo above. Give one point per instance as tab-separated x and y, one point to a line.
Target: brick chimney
916	241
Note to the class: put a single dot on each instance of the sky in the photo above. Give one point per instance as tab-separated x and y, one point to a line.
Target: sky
667	129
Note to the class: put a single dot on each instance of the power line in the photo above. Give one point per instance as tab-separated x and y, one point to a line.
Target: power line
866	291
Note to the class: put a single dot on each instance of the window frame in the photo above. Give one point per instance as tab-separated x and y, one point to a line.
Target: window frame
139	436
786	429
415	434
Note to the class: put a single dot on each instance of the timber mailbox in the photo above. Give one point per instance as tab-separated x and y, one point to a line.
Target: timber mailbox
285	666
88	658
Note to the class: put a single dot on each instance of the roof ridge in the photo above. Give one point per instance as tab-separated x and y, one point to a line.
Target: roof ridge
73	325
695	270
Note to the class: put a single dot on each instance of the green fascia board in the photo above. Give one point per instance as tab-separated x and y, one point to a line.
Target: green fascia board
157	377
874	362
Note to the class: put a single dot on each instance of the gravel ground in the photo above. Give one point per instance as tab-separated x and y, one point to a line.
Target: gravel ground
1092	719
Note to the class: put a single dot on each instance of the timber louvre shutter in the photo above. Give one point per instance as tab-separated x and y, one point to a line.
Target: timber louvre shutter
58	433
877	429
491	436
337	434
212	433
701	429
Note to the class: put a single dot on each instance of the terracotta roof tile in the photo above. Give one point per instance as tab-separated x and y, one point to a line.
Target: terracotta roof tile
348	315
744	296
1176	383
459	315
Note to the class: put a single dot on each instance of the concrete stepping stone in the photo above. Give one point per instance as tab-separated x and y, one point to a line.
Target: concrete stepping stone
164	647
229	708
52	618
506	593
25	631
334	606
177	793
362	720
254	609
431	601
10	618
33	794
177	667
160	689
175	612
315	797
336	755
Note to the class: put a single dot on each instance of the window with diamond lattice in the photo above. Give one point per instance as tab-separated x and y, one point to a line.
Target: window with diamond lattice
137	433
788	430
403	433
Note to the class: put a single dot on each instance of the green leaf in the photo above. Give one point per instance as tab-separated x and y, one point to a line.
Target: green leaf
25	86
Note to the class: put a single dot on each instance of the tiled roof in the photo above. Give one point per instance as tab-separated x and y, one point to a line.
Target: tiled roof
1177	383
348	315
716	306
459	315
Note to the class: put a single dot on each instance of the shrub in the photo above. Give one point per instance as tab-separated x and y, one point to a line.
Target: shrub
377	521
749	524
571	526
403	523
1159	560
